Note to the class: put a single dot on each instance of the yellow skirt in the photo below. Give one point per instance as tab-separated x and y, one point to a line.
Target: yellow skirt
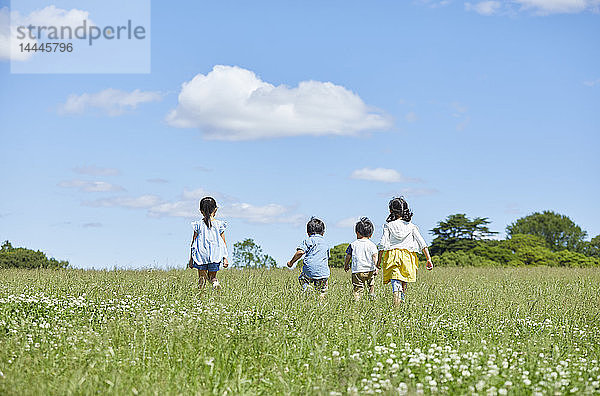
399	264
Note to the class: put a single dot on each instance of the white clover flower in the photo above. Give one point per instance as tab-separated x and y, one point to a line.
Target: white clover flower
479	385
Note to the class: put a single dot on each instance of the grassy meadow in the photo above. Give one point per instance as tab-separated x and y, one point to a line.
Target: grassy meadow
461	331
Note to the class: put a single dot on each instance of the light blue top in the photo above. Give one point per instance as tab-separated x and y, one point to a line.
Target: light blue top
316	257
209	247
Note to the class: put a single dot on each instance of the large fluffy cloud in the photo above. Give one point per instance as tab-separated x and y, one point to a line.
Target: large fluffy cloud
231	103
109	101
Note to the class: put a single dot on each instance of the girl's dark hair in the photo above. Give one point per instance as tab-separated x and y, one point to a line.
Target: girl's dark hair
207	207
364	227
315	226
399	210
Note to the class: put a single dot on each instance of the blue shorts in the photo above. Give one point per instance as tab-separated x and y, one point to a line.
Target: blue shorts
396	285
211	267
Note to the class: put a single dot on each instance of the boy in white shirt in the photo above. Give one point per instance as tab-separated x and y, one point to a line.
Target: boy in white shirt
363	255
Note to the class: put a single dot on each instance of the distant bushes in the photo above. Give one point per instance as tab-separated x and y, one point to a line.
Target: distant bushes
11	257
520	250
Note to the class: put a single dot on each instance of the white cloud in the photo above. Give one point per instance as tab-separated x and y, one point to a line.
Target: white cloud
197	194
266	214
231	103
187	207
90	186
545	7
48	16
110	101
93	170
381	175
143	201
592	83
175	209
484	7
537	7
348	222
434	3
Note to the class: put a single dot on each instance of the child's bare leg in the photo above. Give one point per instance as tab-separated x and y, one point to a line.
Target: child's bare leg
202	277
404	286
357	294
398	298
372	290
212	277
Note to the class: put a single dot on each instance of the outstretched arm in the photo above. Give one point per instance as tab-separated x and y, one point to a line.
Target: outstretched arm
295	258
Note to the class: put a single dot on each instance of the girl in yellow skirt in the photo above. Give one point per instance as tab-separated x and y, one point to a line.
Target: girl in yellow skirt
399	243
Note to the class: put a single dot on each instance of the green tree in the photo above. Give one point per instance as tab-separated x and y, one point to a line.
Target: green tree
248	254
559	231
592	248
337	255
11	257
458	232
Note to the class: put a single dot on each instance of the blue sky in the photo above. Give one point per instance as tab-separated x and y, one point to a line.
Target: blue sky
485	108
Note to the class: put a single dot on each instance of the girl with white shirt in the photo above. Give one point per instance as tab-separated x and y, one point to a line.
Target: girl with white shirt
209	248
400	242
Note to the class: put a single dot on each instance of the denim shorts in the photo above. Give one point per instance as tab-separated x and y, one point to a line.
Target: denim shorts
211	267
396	285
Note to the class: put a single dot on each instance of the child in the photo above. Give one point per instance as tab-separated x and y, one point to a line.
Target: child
363	254
399	242
315	271
208	244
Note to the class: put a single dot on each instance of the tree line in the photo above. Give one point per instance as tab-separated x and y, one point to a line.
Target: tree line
545	238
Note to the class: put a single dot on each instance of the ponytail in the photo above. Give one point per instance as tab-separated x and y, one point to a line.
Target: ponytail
399	210
208	205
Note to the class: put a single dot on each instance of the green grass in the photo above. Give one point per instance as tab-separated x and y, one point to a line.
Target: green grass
467	330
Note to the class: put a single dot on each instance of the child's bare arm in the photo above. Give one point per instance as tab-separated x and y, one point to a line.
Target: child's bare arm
429	265
347	262
225	261
379	256
191	262
295	258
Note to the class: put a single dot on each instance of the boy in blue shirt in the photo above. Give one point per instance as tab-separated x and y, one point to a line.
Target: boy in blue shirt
315	271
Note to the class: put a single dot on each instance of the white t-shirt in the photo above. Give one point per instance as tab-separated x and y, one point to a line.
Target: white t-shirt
362	251
400	234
